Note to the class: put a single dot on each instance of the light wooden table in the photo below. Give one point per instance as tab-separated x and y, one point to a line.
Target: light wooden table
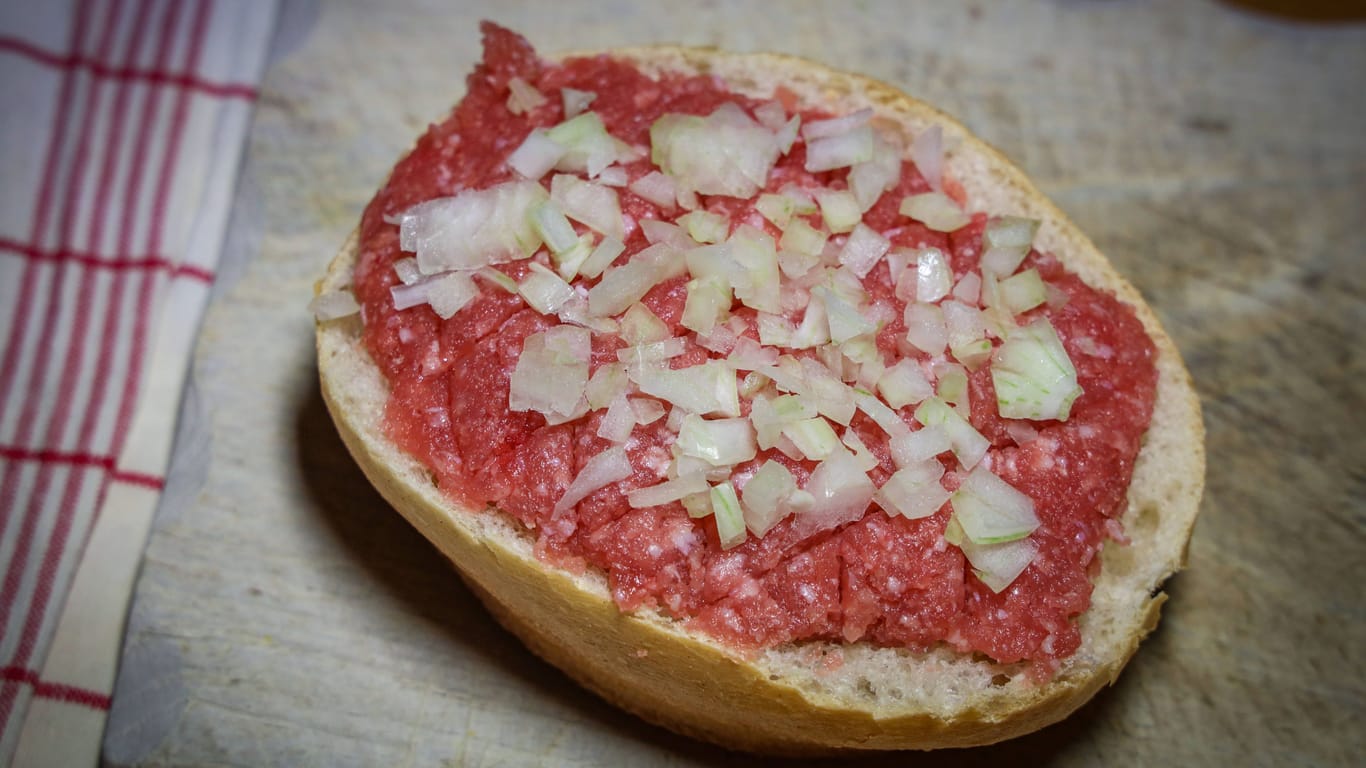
284	616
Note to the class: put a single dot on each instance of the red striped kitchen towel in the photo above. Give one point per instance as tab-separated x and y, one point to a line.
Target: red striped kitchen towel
122	126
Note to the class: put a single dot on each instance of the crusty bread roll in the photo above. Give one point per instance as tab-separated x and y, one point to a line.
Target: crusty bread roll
778	701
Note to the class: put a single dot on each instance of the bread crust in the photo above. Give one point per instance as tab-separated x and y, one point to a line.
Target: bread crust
787	700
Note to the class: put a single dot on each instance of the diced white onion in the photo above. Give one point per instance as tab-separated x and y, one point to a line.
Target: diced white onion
841	494
934	277
622	286
618	422
814	437
653	351
839	209
536	155
1023	291
450	293
927	152
706	389
334	305
935	210
863	249
840	150
720	442
870	179
544	290
991	511
1005	242
407	270
708	303
925	328
968	444
765	497
523	96
1033	376
730	520
575	101
607	382
669	490
998	565
904	384
473	229
914	491
639	325
918	446
552	373
610	466
602	257
656	188
592	204
725	153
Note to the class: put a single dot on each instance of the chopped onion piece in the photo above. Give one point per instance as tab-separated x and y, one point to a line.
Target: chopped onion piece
927	152
966	328
610	466
991	511
544	291
969	288
622	286
657	231
1033	376
639	325
935	210
575	101
814	329
656	188
618	422
814	437
839	209
473	229
775	330
708	303
844	320
523	96
881	414
863	249
801	237
730	520
725	153
925	328
334	305
1023	291
536	155
613	176
450	293
567	262
706	389
914	491
669	490
866	459
934	277
705	226
589	147
841	494
756	280
904	384
770	114
840	150
498	278
407	270
765	497
553	227
1005	242
776	208
952	383
998	565
969	446
819	129
721	442
653	351
607	382
832	397
870	179
592	204
602	257
552	373
749	354
923	444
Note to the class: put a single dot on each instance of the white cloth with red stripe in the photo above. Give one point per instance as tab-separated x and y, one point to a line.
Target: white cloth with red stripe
123	124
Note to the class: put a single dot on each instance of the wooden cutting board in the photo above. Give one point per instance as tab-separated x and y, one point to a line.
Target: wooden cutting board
285	616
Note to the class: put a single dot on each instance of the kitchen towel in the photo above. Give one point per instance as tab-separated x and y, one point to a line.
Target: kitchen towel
122	125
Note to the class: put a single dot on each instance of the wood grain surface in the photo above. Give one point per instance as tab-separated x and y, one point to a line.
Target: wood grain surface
285	616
